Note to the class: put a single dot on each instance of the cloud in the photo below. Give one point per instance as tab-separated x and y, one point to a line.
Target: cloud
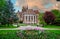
35	4
30	3
20	3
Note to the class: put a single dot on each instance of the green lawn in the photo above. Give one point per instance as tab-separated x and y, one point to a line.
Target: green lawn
27	24
54	31
8	34
22	24
12	34
51	26
6	26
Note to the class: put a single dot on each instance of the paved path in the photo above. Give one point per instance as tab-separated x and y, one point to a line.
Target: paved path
29	28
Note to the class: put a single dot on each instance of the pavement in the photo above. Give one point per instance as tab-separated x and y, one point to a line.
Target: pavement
29	28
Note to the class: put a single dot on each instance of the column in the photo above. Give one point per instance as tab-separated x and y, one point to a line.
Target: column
30	19
27	18
24	19
33	19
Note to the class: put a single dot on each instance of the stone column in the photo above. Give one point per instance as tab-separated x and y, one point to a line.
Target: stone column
30	19
27	18
24	19
33	18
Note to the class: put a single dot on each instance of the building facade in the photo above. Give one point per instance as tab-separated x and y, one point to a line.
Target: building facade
28	16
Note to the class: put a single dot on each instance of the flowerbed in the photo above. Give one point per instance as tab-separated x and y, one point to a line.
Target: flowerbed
29	34
31	28
37	34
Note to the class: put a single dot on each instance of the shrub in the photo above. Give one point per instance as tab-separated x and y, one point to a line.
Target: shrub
57	15
20	21
49	17
36	34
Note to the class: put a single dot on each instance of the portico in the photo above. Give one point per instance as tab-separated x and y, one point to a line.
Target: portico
29	18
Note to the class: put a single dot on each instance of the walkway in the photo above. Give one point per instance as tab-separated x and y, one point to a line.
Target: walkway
29	28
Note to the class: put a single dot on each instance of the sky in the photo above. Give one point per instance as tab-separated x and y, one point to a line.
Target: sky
34	4
15	7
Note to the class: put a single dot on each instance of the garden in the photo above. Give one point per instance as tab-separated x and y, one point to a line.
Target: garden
8	17
9	20
29	34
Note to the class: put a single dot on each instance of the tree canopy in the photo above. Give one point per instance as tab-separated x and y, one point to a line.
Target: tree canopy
49	17
7	14
57	15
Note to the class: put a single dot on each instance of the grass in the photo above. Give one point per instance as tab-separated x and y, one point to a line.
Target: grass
54	31
6	26
12	34
33	24
51	26
22	24
8	34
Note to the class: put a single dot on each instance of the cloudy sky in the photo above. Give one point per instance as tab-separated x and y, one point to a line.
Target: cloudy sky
34	4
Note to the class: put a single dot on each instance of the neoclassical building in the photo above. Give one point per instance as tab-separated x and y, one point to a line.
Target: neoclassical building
28	16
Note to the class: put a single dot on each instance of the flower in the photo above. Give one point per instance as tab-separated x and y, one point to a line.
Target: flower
31	28
38	28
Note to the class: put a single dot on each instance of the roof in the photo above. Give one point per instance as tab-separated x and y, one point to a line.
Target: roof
31	11
28	11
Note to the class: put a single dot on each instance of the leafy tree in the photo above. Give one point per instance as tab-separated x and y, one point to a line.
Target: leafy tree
10	14
2	6
9	11
7	15
49	17
57	14
41	21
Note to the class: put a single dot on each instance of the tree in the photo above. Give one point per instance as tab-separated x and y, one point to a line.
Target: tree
9	12
57	15
2	6
41	21
56	12
7	15
49	17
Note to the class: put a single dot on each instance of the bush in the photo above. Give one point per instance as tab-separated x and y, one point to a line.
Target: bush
41	20
20	21
49	17
57	15
57	22
17	34
32	34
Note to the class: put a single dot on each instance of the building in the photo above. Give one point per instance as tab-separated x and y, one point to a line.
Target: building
28	16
